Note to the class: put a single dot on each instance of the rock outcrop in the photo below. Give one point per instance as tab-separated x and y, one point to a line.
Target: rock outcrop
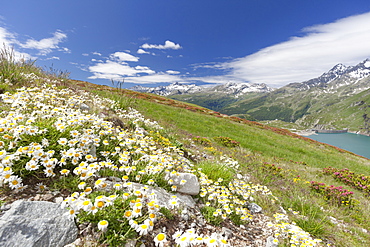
35	224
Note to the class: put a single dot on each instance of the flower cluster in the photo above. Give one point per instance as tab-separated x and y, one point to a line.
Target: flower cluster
230	200
229	162
335	195
52	134
191	238
358	181
47	134
296	235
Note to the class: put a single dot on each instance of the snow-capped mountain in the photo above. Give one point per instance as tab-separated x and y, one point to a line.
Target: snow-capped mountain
339	76
239	89
174	88
235	89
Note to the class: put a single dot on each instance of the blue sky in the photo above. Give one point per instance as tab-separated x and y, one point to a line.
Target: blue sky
158	42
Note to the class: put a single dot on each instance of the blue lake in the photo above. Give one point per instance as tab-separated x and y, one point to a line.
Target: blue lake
358	144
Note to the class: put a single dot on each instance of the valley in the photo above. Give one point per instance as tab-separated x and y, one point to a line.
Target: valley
338	99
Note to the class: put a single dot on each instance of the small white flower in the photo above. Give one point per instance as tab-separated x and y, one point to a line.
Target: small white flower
103	225
160	239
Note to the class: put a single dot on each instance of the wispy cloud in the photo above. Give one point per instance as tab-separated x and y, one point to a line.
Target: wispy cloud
8	39
96	53
155	78
167	45
141	51
123	56
46	45
301	58
53	58
172	72
116	67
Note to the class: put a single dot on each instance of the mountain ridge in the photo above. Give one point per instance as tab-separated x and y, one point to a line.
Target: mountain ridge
307	103
231	88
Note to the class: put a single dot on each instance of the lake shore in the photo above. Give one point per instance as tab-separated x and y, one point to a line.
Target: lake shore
312	132
305	132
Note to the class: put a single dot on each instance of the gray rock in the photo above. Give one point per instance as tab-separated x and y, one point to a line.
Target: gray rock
254	208
163	196
5	207
36	223
270	242
58	200
131	243
84	107
226	232
92	150
191	187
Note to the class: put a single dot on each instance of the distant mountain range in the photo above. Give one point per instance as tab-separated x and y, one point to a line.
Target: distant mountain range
235	89
339	98
340	75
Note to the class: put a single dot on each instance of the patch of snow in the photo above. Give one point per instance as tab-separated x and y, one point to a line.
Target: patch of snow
367	64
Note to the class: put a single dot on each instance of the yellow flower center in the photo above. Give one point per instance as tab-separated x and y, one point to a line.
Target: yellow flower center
103	222
161	236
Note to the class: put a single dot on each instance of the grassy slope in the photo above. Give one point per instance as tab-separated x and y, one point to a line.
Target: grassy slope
271	144
259	144
299	157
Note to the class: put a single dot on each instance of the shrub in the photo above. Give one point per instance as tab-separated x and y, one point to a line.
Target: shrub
202	140
226	141
336	195
357	181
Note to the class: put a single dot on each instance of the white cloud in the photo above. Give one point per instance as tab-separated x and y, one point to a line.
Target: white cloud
46	45
217	79
141	51
6	37
96	53
8	41
96	60
172	72
122	56
65	50
52	58
301	58
155	78
167	45
116	67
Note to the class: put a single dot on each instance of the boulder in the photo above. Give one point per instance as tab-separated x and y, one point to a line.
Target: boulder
163	196
191	187
270	242
36	223
254	208
84	107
